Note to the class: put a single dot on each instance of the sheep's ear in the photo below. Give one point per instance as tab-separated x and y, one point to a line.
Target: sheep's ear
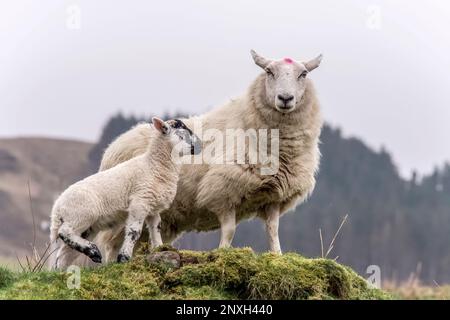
314	63
259	60
160	125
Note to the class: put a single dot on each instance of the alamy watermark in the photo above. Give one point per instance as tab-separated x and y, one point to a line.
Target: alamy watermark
73	17
74	279
374	17
374	280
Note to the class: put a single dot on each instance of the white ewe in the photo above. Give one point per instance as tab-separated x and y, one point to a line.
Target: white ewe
129	194
210	196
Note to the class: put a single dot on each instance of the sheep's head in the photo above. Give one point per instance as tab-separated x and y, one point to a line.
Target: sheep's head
285	80
179	134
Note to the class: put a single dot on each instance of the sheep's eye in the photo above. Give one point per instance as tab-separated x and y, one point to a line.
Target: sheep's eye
269	72
303	74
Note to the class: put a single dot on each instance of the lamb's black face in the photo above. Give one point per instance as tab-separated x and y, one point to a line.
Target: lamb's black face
186	134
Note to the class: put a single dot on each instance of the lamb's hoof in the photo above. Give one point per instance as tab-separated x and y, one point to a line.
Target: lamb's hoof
122	258
95	254
96	259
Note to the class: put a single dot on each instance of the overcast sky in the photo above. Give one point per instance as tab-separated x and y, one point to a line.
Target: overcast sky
66	66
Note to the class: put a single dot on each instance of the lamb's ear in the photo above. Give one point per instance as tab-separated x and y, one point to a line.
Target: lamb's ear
160	125
314	63
259	60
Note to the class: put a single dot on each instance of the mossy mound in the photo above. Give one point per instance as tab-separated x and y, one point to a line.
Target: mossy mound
218	274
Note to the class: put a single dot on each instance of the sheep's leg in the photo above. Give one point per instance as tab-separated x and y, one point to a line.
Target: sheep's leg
153	223
169	235
111	252
272	218
227	229
78	243
137	213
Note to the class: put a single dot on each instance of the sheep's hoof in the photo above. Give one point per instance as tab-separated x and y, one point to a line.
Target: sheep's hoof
95	254
122	258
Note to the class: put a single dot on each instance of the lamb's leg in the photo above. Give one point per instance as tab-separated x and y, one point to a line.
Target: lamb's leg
78	243
153	223
112	241
227	228
137	213
64	257
272	218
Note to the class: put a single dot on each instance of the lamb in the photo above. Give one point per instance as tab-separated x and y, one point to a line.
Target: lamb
128	195
212	196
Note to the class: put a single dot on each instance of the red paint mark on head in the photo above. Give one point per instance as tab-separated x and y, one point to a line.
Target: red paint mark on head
288	60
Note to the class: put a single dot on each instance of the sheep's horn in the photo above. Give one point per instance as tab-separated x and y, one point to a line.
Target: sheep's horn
314	63
259	60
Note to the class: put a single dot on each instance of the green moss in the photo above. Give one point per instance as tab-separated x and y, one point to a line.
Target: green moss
223	269
219	274
196	293
38	286
286	277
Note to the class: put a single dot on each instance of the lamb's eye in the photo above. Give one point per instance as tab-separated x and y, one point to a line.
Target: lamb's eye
303	74
269	72
182	134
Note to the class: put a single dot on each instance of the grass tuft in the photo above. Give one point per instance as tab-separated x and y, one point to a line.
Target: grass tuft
6	277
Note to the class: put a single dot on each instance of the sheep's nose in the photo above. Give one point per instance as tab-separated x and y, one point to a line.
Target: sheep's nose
285	97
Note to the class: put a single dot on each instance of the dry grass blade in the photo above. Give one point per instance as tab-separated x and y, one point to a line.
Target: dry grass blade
34	262
331	246
29	267
37	265
321	242
33	265
20	264
32	213
40	263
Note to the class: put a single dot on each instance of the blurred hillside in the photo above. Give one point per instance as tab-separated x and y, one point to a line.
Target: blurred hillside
394	223
49	165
